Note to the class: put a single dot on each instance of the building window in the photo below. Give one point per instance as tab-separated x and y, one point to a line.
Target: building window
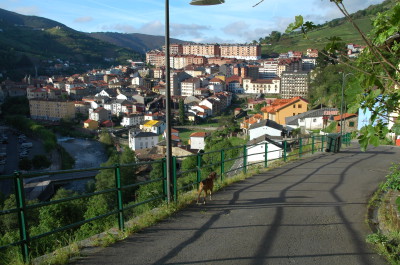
351	124
294	106
299	106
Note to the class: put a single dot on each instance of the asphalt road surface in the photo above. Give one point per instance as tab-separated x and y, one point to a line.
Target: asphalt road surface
311	211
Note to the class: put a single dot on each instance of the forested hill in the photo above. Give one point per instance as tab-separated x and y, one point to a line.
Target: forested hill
26	41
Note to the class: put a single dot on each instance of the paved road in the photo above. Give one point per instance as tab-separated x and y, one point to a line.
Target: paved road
310	211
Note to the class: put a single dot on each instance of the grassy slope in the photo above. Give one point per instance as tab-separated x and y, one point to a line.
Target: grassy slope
319	38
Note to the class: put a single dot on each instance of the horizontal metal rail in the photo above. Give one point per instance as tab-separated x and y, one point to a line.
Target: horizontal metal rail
182	181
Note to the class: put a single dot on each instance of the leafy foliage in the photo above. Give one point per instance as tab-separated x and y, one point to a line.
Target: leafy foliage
374	87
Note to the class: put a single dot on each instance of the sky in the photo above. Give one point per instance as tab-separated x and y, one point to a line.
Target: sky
235	21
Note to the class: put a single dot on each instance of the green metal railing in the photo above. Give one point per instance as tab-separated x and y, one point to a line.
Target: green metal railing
227	162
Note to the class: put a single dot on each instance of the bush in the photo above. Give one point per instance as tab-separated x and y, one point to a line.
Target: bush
25	164
40	161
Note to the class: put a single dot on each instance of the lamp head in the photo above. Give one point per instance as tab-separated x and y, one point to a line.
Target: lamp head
206	2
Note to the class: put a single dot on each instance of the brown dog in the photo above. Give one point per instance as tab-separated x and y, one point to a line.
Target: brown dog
207	185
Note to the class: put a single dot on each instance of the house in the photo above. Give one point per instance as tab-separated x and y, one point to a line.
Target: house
251	103
154	126
282	108
107	123
201	110
90	124
313	119
245	125
141	140
132	119
198	140
137	80
176	140
82	107
349	121
256	149
234	84
266	127
99	114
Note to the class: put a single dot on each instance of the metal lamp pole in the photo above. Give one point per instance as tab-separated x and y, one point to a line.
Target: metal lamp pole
168	89
342	101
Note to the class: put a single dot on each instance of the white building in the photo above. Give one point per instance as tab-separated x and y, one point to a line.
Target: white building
256	150
189	86
262	86
312	119
265	127
142	140
198	140
132	120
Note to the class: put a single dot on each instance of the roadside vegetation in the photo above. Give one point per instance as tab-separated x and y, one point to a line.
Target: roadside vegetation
384	217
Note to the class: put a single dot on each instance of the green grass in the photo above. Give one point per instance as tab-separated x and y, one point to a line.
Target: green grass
319	38
184	134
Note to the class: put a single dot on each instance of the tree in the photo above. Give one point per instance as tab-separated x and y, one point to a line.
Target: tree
25	164
182	116
376	82
40	161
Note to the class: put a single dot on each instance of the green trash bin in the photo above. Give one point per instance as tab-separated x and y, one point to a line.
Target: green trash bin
333	142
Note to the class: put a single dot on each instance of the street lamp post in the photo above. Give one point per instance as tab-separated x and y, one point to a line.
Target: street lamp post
168	89
342	101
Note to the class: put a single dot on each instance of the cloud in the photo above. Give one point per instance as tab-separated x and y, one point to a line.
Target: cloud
328	10
27	10
83	19
158	28
188	30
243	31
152	28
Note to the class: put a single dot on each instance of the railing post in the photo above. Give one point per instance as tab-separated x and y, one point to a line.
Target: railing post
222	163
244	159
165	183
284	150
21	206
300	146
312	144
119	197
322	144
266	155
174	182
198	169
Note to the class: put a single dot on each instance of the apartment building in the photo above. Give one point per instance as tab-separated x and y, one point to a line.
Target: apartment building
189	86
53	110
268	69
206	50
174	48
294	84
245	52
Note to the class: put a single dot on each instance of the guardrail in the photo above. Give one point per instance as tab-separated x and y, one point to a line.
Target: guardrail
123	193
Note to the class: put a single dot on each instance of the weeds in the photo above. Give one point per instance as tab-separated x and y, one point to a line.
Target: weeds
387	239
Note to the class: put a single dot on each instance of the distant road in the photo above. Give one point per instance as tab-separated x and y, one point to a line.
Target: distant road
307	212
198	127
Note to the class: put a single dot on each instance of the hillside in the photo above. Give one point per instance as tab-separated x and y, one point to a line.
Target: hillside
337	27
135	41
319	38
27	40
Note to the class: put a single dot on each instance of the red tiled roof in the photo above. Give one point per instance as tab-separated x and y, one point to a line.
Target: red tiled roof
198	134
345	116
281	103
